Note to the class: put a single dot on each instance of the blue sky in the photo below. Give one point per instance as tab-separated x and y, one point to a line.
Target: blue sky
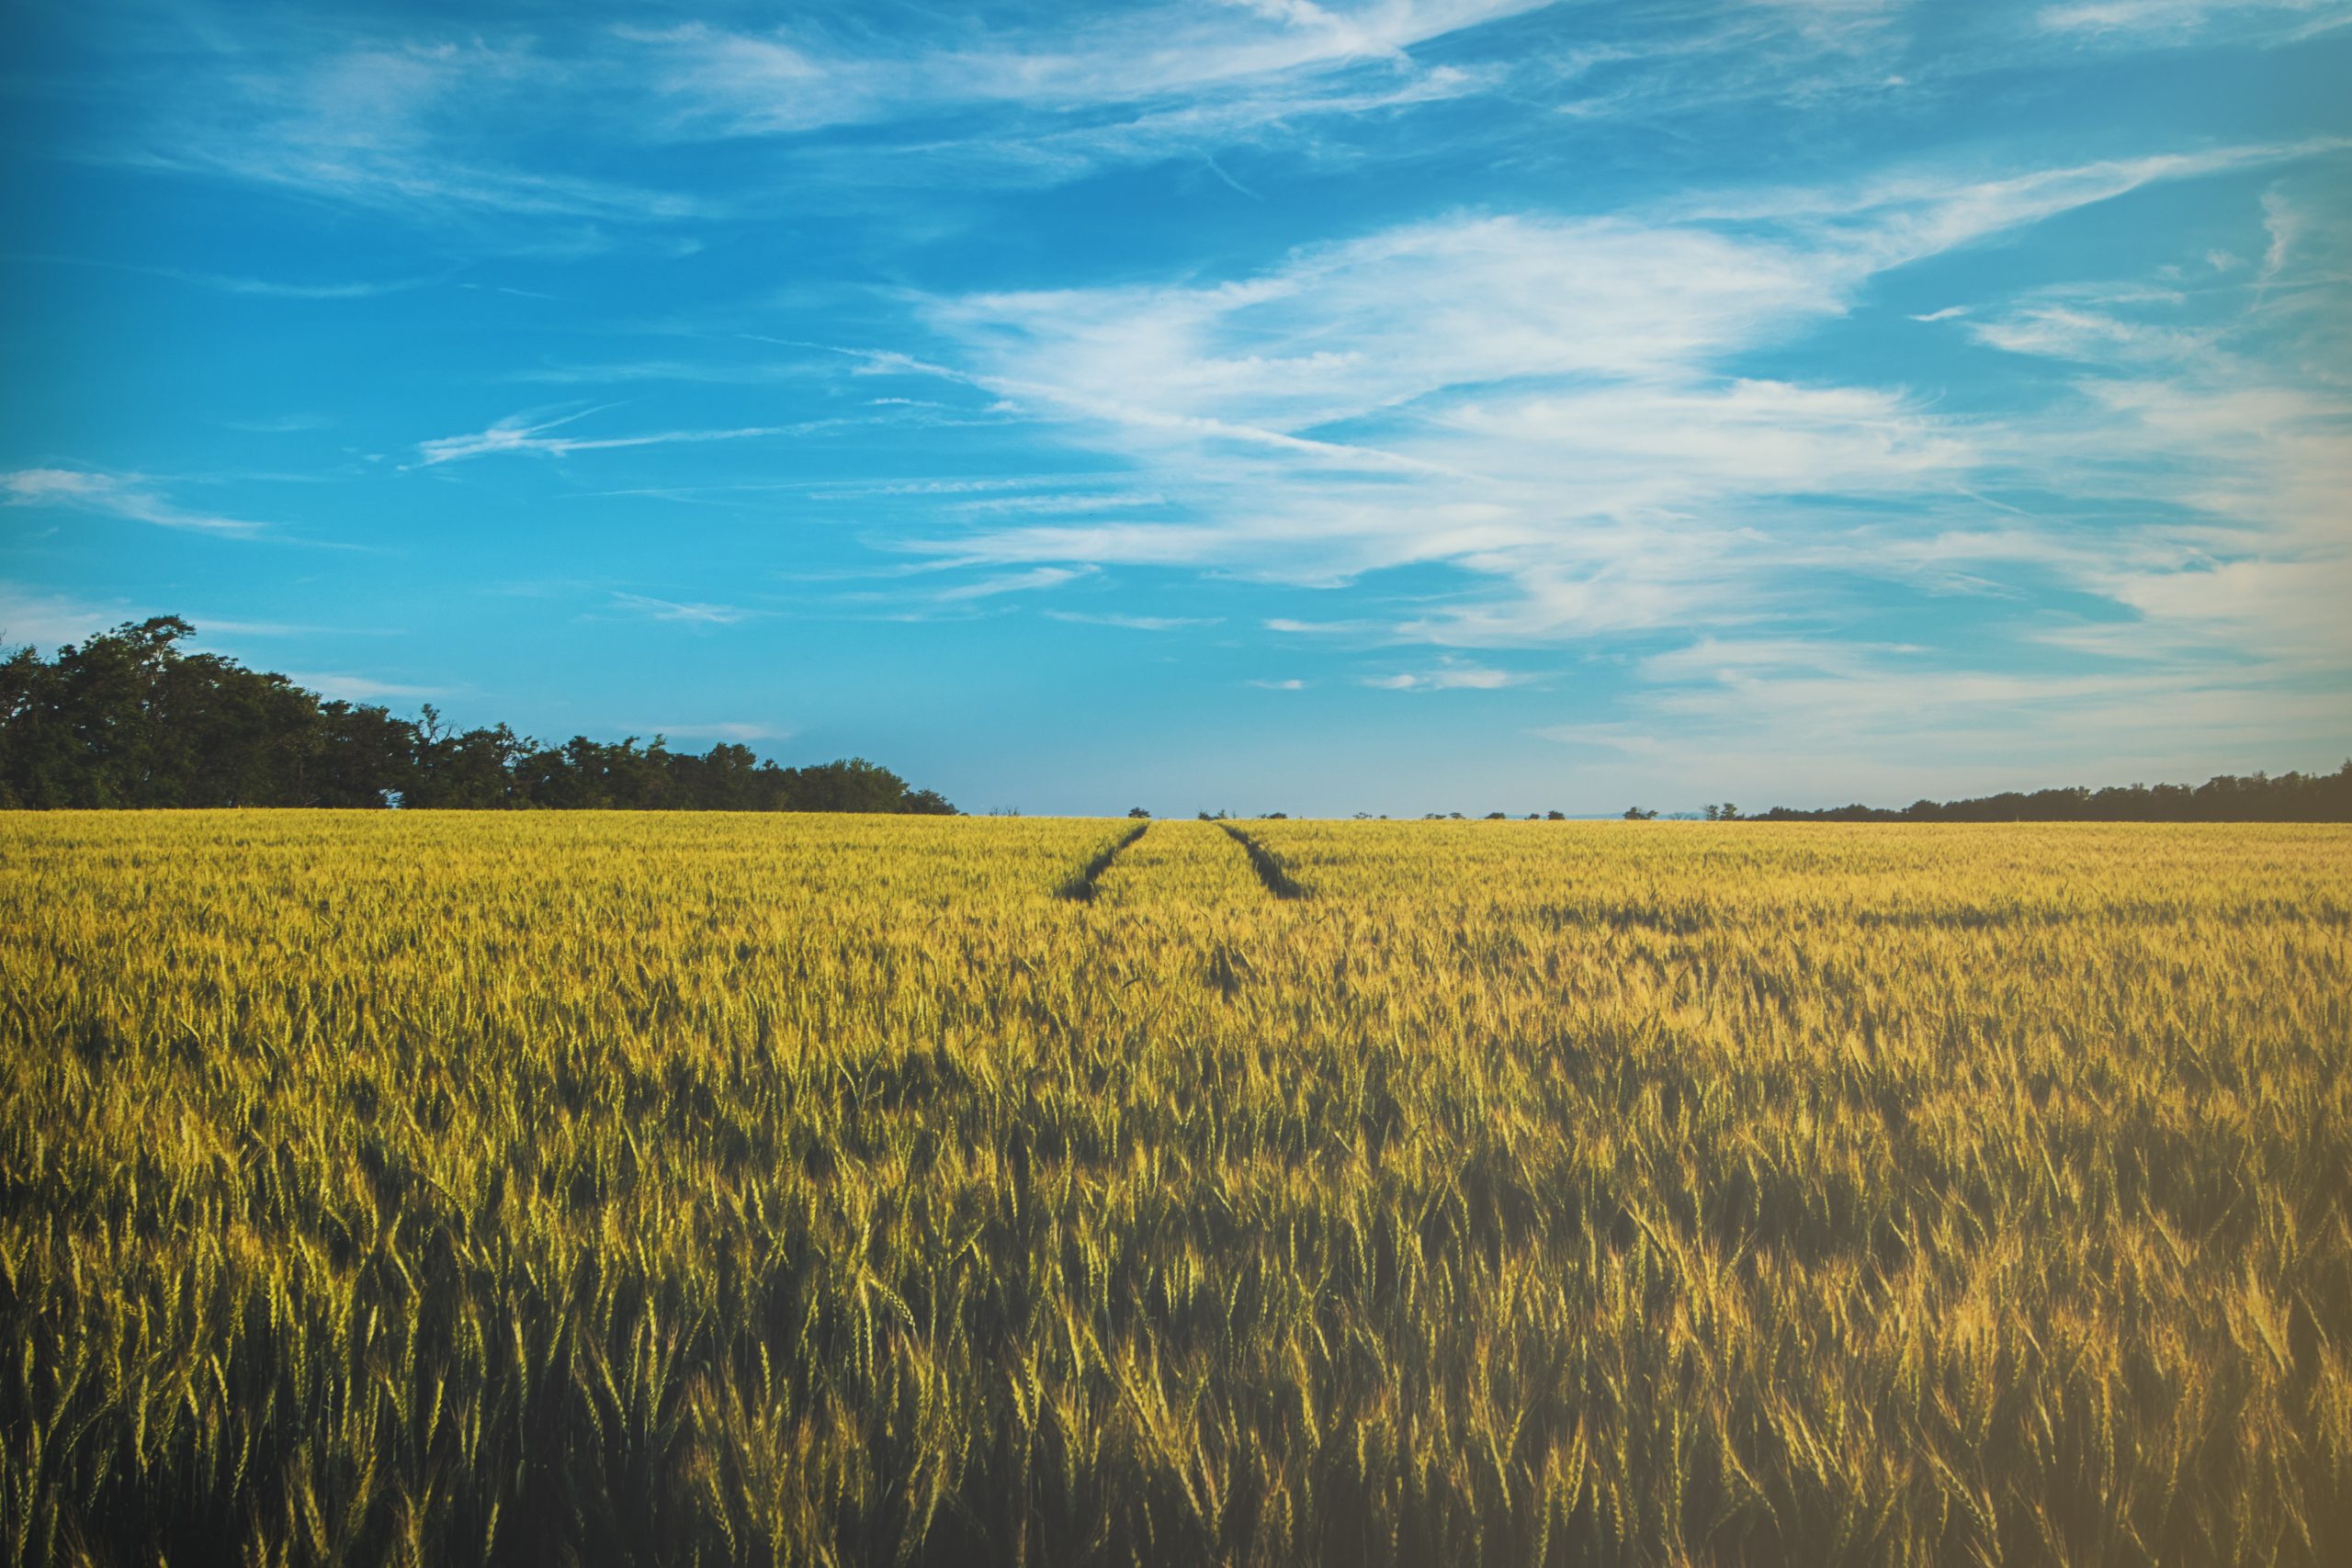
1414	405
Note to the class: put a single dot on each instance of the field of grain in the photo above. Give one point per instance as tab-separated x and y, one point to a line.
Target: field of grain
711	1189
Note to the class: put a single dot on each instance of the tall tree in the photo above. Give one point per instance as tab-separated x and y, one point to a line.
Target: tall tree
131	718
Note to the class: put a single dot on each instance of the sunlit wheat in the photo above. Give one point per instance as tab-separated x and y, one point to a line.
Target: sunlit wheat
441	1187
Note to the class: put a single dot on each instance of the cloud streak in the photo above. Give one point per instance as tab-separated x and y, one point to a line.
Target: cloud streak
722	82
684	613
129	497
519	435
1450	676
1132	623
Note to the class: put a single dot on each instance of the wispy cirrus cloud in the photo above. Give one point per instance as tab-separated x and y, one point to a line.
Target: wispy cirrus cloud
445	125
342	686
1029	582
1557	415
38	618
1291	627
684	611
1451	675
1132	623
713	372
132	497
526	434
2178	21
722	81
46	619
260	288
399	125
1036	504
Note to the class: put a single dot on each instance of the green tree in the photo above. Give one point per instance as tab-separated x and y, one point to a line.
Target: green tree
130	717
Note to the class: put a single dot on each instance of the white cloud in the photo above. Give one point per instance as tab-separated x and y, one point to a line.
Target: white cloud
730	373
688	613
1040	505
33	617
1891	220
741	732
743	83
1292	684
1322	338
397	125
1541	402
2267	464
212	626
282	424
1133	623
1013	583
363	688
1318	628
2178	20
2284	225
447	124
126	496
518	433
1741	436
269	289
1452	675
2064	331
262	287
1731	660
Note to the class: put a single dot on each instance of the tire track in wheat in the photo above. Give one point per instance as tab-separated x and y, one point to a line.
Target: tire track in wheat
1080	887
1267	864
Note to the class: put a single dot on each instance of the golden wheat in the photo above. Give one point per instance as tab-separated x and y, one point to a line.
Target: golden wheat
633	1188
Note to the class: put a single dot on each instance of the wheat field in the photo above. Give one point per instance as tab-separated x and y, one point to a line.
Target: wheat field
705	1189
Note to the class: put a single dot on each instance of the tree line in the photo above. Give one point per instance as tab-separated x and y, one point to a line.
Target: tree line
130	718
2259	797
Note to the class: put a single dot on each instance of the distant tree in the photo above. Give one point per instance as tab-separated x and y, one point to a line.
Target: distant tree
726	778
1635	814
2256	797
1498	816
1726	812
1276	817
367	757
130	717
1138	811
1555	816
478	768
